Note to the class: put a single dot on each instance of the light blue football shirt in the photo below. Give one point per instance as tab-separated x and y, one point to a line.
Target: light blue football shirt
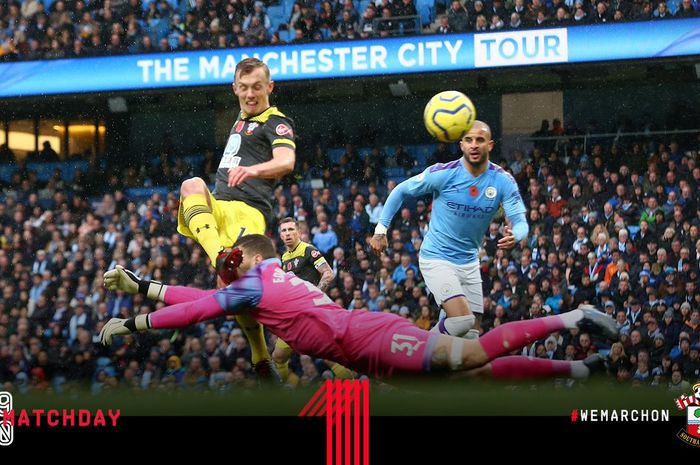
463	207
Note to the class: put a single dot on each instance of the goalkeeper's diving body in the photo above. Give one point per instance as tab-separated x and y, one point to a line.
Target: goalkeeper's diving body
379	344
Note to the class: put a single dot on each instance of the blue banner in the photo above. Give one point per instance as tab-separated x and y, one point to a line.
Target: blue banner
402	55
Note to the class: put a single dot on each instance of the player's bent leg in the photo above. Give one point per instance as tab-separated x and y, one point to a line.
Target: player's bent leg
518	367
254	331
239	219
443	281
459	318
516	335
470	278
281	356
196	218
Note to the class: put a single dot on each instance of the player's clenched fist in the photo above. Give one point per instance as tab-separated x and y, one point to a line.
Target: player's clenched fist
508	241
379	243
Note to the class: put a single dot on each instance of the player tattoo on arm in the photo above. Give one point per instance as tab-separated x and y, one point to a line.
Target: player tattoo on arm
327	276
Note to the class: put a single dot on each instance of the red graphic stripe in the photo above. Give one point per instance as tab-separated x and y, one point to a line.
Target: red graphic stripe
356	399
365	421
329	422
347	395
338	422
316	399
320	405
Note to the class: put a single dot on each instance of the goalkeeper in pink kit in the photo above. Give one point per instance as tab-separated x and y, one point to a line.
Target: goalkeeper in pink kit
378	344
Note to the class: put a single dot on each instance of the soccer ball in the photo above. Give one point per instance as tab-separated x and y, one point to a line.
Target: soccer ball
449	115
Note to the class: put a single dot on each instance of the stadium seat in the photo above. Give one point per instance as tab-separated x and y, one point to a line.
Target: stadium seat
142	193
286	36
335	154
633	230
6	172
44	171
426	15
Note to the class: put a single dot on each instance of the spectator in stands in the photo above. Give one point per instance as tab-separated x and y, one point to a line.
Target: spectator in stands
457	17
662	12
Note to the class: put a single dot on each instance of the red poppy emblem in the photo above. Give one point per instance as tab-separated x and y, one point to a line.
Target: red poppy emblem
474	191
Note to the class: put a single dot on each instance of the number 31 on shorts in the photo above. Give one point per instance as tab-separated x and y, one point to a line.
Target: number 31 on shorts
401	343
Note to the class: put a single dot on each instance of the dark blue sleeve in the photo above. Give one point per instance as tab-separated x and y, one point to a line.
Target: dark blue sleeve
241	295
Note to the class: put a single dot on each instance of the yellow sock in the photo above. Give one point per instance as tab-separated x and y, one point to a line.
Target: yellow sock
341	372
201	222
283	370
293	379
256	337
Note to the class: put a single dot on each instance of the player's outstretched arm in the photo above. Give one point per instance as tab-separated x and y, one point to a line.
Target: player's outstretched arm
172	317
238	297
125	280
425	183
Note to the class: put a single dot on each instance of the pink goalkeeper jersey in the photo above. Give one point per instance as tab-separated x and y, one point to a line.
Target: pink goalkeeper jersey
306	319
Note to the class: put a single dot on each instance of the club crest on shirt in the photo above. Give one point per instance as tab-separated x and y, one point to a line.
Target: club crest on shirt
251	128
490	192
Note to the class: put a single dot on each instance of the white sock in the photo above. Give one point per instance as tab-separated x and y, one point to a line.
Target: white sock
579	370
456	326
472	334
571	318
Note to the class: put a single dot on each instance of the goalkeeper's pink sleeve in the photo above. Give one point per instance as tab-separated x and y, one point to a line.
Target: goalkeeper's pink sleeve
179	294
187	313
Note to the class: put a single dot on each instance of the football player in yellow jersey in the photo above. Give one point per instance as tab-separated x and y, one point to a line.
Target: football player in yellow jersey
305	261
260	150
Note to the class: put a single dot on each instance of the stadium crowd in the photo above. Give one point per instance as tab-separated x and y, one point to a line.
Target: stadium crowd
617	226
35	29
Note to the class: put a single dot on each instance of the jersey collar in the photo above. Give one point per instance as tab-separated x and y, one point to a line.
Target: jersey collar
260	118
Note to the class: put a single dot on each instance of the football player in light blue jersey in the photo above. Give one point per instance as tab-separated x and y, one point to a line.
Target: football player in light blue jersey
466	196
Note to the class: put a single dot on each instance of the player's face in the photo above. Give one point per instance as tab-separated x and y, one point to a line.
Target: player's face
253	91
248	261
476	145
289	233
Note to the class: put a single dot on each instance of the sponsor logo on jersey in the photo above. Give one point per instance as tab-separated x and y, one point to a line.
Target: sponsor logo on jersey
490	192
251	128
284	130
469	208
